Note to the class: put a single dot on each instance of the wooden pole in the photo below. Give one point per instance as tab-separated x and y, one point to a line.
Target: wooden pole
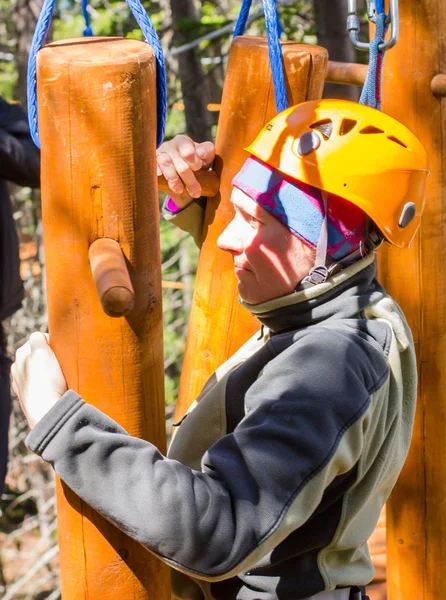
97	117
218	324
416	512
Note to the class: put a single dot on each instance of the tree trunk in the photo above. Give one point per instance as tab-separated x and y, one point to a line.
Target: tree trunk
330	19
24	15
190	72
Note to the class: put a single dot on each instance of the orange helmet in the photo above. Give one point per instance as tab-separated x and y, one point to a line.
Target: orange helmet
355	152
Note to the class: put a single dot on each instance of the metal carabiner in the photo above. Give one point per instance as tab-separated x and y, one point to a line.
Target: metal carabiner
393	19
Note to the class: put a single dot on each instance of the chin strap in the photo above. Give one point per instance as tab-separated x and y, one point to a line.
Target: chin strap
320	272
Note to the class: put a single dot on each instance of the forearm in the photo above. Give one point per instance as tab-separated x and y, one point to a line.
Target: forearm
167	507
189	219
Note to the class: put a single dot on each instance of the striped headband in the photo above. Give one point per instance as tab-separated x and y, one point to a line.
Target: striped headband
300	208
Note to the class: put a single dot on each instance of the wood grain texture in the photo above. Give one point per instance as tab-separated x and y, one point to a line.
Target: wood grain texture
218	324
97	117
416	511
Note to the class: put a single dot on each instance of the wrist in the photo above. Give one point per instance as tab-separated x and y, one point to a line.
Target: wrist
40	410
175	204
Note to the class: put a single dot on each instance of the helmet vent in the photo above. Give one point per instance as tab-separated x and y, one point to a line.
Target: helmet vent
370	129
346	126
396	140
325	127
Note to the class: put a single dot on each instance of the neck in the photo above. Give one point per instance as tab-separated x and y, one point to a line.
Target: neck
341	296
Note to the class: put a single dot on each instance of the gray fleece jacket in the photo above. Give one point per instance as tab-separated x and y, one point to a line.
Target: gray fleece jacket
277	475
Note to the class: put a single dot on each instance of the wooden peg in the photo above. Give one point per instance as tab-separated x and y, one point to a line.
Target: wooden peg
111	277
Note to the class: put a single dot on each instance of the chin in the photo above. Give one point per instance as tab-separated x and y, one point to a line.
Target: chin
245	295
251	298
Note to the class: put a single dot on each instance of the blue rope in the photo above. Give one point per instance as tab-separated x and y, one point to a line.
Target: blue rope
371	92
379	5
40	33
274	29
88	31
152	39
240	25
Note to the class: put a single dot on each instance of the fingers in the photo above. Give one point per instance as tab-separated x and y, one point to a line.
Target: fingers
178	160
187	149
37	341
169	170
206	151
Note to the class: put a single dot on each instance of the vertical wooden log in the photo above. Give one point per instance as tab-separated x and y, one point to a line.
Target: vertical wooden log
416	512
218	325
97	116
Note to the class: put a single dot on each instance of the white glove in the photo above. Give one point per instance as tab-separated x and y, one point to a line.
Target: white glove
37	378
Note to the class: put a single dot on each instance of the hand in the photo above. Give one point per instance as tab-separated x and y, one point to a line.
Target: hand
37	378
178	159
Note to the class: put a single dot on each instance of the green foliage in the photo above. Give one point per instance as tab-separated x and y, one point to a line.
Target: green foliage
8	65
8	80
210	16
175	247
175	123
104	22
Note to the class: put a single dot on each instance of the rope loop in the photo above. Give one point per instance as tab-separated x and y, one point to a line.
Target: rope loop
274	31
151	37
371	92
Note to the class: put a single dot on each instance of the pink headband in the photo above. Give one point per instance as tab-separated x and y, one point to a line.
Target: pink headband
300	208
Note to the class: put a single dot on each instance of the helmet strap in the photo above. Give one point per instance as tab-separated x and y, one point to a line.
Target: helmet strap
319	272
374	237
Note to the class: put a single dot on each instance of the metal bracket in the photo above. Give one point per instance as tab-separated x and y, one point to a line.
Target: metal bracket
393	19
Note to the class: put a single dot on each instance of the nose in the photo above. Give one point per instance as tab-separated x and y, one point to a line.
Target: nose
229	240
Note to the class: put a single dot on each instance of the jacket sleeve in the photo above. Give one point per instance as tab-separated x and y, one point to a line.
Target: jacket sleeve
19	159
304	426
190	219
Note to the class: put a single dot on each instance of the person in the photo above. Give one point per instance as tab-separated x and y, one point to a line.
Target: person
276	478
19	163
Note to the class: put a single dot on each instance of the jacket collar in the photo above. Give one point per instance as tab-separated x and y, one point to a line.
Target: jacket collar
343	296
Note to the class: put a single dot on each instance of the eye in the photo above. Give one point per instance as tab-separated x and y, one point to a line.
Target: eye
252	220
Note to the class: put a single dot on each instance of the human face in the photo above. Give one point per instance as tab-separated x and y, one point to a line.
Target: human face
269	261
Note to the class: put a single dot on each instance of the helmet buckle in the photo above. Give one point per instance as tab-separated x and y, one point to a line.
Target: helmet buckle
317	274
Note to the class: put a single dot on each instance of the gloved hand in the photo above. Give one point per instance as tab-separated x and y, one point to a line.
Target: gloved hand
37	378
178	159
